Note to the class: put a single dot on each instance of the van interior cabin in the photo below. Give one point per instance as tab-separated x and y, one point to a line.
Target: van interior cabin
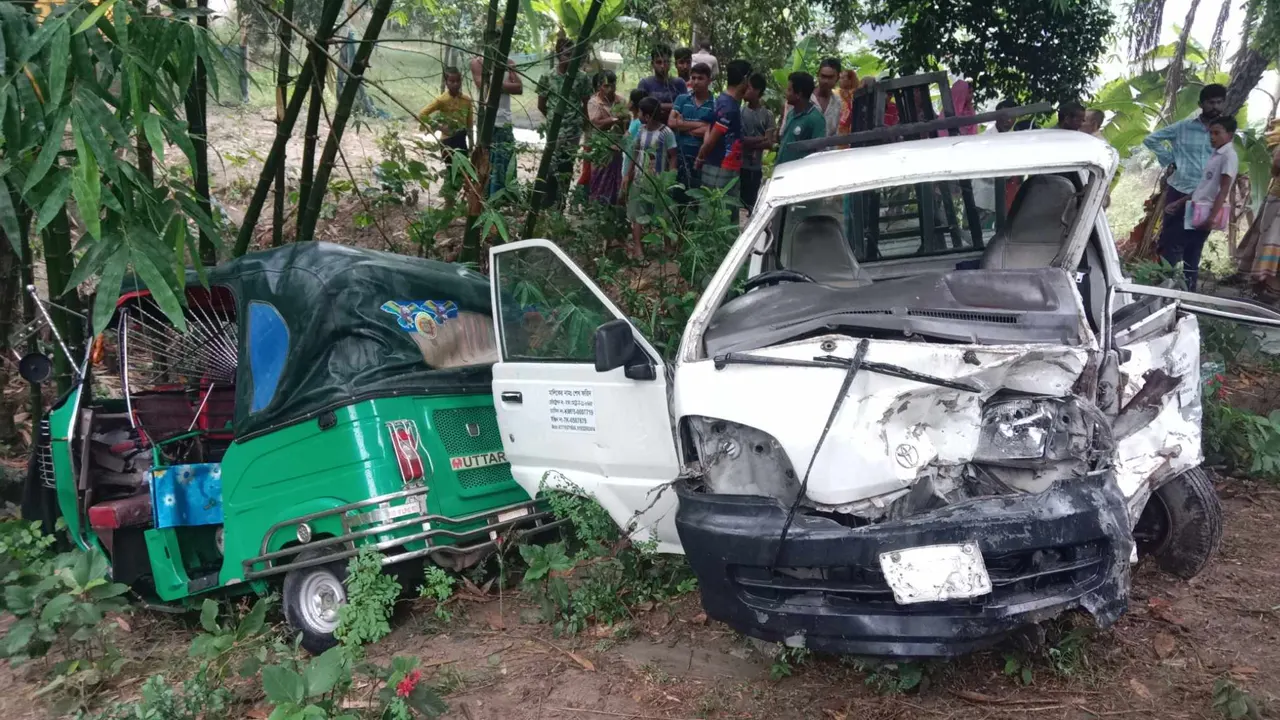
917	244
154	424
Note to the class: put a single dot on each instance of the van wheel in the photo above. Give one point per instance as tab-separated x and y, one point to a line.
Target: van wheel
1181	526
312	597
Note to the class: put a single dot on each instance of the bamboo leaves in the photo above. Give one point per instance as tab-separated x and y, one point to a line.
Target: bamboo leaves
97	13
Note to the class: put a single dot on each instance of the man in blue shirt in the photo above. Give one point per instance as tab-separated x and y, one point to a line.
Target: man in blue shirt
720	157
661	86
1184	146
691	117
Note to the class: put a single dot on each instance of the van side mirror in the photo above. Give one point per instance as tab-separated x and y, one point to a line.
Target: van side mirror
616	347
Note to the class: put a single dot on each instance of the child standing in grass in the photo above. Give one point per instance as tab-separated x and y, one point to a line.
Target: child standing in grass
655	153
633	131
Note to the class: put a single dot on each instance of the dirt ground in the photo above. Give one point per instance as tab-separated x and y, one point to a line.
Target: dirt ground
495	662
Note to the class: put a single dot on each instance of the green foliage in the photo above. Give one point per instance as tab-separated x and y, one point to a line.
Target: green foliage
247	640
194	699
60	605
1069	656
1016	665
309	691
599	574
1238	438
437	585
1024	50
892	678
1232	702
24	551
112	83
787	660
1155	272
371	596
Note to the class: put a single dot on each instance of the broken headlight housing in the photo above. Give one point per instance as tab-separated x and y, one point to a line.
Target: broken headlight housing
1030	431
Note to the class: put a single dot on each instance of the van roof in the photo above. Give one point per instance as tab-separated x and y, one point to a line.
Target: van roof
988	154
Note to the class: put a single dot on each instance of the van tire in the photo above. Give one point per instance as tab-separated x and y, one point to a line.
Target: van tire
1181	526
312	597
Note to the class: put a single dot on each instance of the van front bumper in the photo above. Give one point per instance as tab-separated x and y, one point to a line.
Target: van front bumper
1068	547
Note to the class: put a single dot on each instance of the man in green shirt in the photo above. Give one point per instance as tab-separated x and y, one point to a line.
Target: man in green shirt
804	122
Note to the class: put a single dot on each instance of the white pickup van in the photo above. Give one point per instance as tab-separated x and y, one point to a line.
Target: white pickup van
917	426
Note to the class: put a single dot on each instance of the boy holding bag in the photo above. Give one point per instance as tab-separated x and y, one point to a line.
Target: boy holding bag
1205	209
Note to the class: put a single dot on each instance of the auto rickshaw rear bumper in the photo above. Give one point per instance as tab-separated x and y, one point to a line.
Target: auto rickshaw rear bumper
1068	547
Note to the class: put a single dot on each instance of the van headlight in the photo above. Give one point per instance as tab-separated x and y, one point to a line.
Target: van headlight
1024	432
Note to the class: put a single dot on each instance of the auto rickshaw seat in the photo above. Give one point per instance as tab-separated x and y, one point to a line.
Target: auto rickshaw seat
163	413
132	511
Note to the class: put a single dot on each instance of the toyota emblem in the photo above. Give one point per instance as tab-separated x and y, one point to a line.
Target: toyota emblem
907	455
473	429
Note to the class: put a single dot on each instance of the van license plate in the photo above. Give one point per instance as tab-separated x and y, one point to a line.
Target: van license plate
933	573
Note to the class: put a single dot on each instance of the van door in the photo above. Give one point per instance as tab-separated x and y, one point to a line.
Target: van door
1157	429
565	424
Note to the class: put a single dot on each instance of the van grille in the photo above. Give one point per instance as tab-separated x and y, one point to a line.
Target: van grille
451	426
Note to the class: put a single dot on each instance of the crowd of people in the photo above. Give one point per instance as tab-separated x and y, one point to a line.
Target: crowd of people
673	121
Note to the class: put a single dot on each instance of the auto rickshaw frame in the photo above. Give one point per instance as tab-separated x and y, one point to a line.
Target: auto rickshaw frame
352	368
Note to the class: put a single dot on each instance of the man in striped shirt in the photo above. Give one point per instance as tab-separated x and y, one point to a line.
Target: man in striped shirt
1184	146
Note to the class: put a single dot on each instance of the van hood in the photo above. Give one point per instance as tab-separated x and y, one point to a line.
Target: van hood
891	430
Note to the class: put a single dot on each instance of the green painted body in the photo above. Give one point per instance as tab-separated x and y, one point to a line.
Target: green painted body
301	469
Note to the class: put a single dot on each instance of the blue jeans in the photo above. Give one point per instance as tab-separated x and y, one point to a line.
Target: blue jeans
501	149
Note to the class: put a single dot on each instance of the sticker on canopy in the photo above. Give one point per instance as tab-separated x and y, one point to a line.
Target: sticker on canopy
446	335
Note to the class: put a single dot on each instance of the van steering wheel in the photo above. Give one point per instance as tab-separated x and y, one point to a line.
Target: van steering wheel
773	277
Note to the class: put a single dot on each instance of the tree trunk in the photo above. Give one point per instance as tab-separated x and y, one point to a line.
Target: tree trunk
1173	83
311	135
340	116
59	262
285	35
495	70
558	109
1245	76
275	157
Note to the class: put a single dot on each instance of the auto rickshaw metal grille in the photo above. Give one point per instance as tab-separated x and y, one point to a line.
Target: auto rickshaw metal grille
452	427
485	476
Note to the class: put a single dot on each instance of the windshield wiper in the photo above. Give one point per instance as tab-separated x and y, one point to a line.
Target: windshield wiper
833	361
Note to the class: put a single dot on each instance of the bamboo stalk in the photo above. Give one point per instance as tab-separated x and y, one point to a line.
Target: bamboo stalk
307	221
495	68
275	157
546	164
59	264
311	135
197	121
284	33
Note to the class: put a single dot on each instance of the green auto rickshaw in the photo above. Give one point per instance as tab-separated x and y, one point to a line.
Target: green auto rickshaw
322	399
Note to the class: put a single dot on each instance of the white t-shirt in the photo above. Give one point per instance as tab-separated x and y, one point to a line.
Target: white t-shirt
1223	161
709	60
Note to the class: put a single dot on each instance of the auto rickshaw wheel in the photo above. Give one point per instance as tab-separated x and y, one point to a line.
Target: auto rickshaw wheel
312	597
1181	526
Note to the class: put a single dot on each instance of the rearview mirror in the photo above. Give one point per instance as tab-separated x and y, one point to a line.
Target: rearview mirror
35	368
616	347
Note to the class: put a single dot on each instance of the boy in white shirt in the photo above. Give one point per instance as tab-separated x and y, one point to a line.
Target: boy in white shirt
1207	202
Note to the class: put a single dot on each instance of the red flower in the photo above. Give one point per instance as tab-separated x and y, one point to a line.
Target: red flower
405	687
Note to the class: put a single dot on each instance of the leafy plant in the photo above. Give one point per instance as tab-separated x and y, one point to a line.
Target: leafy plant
371	596
1017	666
437	585
786	661
194	699
220	645
1232	702
310	691
61	606
892	678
